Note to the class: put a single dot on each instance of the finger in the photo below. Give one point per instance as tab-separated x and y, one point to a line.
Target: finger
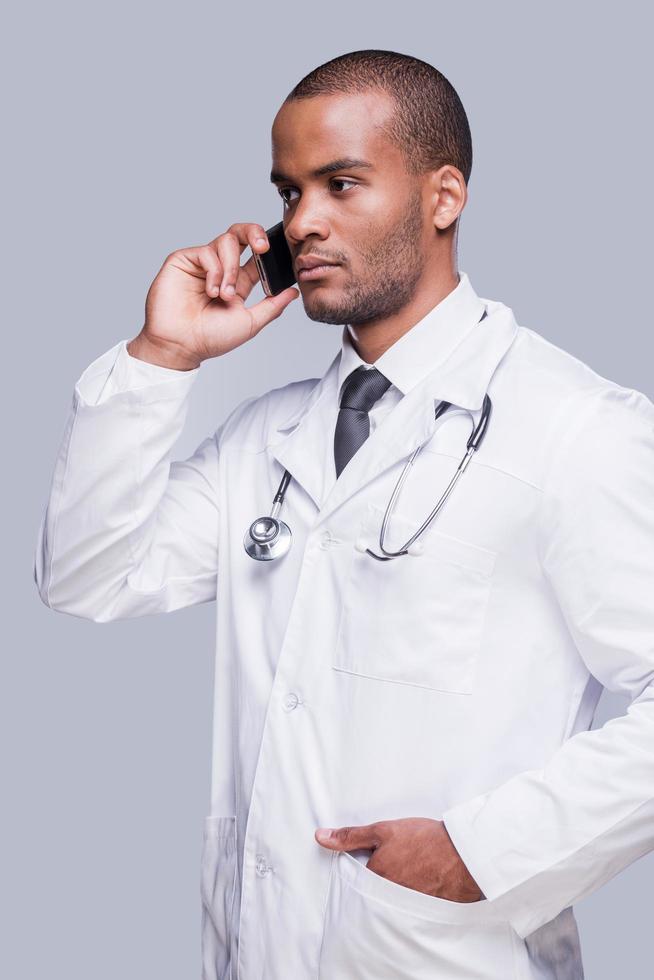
270	308
244	232
349	838
248	277
200	261
207	258
230	247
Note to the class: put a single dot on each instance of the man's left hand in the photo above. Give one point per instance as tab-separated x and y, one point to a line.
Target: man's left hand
416	852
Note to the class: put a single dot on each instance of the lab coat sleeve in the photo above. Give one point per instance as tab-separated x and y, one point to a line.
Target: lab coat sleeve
104	378
547	837
126	531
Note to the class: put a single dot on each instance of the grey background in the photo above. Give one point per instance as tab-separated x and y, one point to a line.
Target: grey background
134	130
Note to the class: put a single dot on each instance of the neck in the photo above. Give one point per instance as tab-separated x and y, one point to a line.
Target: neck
372	338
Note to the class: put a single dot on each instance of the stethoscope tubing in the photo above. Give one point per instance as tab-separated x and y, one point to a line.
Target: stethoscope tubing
404	550
473	444
268	538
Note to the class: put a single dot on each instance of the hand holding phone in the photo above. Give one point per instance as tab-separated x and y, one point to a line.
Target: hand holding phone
195	308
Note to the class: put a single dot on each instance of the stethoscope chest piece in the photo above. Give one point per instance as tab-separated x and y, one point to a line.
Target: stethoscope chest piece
267	538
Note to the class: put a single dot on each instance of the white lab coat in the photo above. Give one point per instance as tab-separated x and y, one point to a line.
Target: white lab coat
459	683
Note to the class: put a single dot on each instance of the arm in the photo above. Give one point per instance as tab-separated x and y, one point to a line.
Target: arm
127	532
547	837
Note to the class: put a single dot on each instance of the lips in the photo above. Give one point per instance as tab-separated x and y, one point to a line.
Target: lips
313	267
316	272
312	262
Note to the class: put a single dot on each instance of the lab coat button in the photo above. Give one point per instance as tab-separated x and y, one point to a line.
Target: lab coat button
326	539
262	867
291	700
360	544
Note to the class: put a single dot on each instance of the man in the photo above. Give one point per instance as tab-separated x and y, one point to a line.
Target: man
434	709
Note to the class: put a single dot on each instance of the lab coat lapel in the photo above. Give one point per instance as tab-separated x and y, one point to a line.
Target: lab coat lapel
462	379
300	449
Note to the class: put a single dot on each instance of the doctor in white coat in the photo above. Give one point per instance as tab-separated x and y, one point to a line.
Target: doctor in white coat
432	710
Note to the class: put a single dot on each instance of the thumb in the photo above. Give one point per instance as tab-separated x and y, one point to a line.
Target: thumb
270	308
348	838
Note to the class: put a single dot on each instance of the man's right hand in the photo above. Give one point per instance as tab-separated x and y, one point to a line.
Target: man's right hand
190	314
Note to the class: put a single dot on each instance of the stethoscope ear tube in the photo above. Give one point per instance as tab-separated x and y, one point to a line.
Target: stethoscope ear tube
479	432
442	408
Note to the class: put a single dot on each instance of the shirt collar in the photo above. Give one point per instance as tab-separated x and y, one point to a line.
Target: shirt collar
460	370
429	342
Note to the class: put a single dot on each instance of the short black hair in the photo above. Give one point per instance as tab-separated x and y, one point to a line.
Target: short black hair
429	125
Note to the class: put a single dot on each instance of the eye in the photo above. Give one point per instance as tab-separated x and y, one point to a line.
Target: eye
343	180
284	190
335	180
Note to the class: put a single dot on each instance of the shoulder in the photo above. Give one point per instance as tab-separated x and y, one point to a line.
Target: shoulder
556	399
549	373
545	399
592	438
579	399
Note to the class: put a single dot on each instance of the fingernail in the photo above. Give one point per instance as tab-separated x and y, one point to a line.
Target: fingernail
229	290
324	833
260	241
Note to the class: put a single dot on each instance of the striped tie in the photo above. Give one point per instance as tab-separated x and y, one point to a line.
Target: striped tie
360	392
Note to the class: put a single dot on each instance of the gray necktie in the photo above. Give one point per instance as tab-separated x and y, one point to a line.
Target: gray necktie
360	392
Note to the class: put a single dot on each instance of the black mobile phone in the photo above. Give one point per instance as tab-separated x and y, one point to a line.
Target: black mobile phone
275	267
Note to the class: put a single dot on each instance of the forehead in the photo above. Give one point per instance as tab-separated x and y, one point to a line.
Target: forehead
309	132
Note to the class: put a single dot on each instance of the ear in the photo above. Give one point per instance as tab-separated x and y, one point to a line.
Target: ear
449	196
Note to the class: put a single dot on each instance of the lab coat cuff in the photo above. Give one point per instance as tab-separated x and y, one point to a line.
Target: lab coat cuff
459	822
116	372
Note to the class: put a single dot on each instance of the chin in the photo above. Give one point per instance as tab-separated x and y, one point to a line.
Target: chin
321	309
325	313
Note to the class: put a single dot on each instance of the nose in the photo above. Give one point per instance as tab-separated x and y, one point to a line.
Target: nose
306	220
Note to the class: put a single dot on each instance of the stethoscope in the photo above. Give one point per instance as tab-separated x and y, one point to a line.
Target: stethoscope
268	537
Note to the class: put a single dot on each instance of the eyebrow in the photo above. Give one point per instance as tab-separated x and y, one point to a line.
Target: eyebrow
346	163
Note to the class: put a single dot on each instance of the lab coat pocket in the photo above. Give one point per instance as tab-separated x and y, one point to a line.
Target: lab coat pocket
375	929
416	619
217	890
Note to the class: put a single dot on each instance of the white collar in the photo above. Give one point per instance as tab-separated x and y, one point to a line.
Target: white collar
429	342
